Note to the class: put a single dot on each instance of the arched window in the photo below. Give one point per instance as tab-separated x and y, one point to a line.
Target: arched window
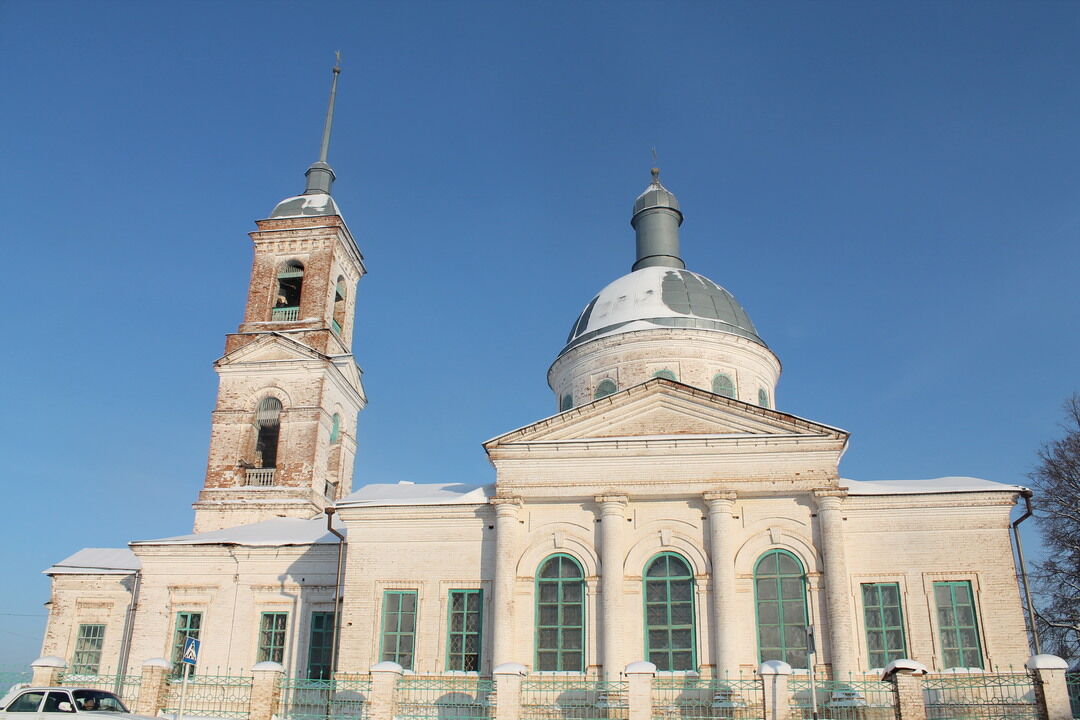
780	596
666	374
287	301
669	613
605	388
566	403
723	385
268	425
335	430
560	615
763	397
339	305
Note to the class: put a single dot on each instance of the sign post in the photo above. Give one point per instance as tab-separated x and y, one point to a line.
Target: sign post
189	658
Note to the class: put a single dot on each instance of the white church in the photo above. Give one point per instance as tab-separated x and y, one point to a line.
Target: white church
668	511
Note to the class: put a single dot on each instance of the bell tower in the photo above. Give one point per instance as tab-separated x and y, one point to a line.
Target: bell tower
283	431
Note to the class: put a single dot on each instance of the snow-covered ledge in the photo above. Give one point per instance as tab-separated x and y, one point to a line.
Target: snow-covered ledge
47	671
906	666
510	669
1046	662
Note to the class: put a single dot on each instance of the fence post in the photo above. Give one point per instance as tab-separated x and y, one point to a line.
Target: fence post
153	687
47	671
384	677
775	673
508	690
906	676
639	676
1051	690
265	689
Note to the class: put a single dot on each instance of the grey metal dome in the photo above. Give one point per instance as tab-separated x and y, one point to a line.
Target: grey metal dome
656	196
661	297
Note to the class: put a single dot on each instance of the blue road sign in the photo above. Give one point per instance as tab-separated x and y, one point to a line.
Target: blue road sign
191	651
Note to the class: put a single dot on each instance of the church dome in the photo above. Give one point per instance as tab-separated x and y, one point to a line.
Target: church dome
660	297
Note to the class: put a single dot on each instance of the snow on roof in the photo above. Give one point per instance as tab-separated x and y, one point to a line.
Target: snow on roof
929	486
97	561
410	493
269	533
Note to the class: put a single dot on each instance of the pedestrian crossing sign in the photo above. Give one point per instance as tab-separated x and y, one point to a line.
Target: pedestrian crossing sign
191	651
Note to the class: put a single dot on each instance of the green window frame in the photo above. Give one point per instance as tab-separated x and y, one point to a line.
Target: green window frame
670	633
722	384
604	388
958	624
560	615
320	645
464	627
763	398
88	646
272	627
884	619
188	624
399	627
335	429
780	608
666	374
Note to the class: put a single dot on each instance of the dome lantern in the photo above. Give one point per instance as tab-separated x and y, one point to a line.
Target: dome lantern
656	221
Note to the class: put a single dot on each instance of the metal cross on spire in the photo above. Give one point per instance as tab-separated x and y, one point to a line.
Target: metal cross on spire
320	177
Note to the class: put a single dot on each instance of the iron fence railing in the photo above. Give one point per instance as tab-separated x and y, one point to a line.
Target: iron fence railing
1072	681
288	314
341	699
980	696
843	699
693	698
222	696
126	687
573	698
445	697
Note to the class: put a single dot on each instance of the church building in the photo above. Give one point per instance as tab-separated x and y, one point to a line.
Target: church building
668	511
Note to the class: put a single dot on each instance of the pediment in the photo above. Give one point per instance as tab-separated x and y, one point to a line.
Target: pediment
270	347
661	408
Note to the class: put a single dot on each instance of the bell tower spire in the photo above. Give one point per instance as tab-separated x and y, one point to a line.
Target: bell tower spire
320	176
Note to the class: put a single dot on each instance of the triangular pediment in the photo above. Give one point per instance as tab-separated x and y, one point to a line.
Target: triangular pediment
663	408
271	347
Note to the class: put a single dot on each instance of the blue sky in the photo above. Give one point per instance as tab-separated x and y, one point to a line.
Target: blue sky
891	190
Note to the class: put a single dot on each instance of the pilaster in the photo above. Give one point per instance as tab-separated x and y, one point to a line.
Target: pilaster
831	522
507	551
724	620
612	522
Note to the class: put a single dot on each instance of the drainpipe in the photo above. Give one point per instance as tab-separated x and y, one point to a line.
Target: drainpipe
1026	494
129	628
336	637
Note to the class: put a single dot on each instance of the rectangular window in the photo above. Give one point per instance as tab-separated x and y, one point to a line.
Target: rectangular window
320	644
463	630
88	644
885	640
272	637
399	627
959	628
187	625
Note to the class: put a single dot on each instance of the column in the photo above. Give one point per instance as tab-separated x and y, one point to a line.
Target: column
153	687
47	671
837	601
612	520
639	677
508	690
265	690
724	620
774	675
1051	689
502	589
384	677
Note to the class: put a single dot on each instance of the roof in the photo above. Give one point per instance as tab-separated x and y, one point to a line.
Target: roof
926	487
410	493
269	533
97	561
660	297
313	205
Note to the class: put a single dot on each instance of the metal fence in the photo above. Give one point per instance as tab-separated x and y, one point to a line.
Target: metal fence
692	698
1072	681
341	699
843	699
560	698
124	686
221	696
444	697
980	696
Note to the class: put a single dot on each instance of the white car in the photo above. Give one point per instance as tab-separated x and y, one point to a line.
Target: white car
61	703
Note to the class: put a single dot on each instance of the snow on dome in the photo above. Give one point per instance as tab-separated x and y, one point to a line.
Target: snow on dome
925	487
661	297
97	561
313	205
410	493
278	531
